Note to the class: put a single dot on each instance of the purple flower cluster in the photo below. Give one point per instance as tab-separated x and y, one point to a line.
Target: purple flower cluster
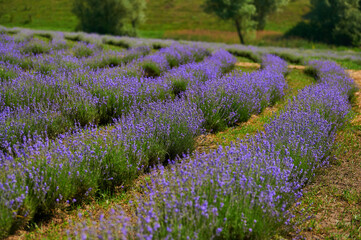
167	58
243	191
194	74
274	63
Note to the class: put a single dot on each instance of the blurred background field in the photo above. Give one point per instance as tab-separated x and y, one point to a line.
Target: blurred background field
174	19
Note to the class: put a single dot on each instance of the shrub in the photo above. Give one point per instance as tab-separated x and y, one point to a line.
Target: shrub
100	16
332	22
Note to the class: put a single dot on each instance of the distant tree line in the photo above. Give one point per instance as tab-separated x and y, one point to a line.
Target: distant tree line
122	17
332	21
116	17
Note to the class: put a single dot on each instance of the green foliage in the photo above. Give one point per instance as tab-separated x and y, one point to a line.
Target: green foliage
136	14
5	75
116	42
348	30
246	14
332	21
239	11
264	8
151	69
311	71
100	16
246	54
289	57
82	50
109	16
179	86
36	47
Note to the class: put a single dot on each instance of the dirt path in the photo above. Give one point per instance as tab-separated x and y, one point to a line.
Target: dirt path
356	75
335	195
257	65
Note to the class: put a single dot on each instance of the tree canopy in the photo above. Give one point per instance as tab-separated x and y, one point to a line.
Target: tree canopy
264	8
136	13
332	21
239	11
246	14
109	16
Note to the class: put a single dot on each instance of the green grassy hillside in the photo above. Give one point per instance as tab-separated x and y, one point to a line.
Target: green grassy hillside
179	19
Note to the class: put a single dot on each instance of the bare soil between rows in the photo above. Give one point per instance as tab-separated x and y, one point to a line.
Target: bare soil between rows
335	193
257	65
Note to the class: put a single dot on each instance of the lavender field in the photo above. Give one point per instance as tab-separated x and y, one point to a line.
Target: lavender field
84	114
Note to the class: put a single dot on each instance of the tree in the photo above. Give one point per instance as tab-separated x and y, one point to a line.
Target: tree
332	21
348	29
136	15
239	11
264	8
100	16
109	16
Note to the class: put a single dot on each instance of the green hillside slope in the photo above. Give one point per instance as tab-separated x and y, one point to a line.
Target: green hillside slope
180	19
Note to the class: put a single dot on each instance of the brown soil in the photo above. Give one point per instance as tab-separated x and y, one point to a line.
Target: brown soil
257	65
248	65
267	33
203	35
299	67
216	35
356	75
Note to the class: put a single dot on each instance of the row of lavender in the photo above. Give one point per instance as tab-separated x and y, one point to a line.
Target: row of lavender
47	104
39	174
244	191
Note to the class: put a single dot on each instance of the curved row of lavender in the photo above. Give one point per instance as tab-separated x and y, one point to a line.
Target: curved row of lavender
244	191
39	175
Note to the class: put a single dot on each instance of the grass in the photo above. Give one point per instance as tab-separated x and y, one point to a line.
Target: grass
244	59
286	19
162	16
43	14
